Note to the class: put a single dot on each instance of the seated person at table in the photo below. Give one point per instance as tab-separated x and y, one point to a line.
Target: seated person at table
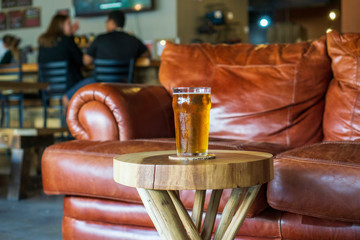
12	54
115	44
57	44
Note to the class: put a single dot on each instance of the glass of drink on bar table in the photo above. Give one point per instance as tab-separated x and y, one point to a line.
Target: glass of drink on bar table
191	113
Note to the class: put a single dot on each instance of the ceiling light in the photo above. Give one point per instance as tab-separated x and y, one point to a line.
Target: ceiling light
332	15
264	22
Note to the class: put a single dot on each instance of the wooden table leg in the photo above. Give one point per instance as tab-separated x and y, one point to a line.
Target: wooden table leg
173	222
211	214
240	214
191	230
19	173
162	212
228	212
198	208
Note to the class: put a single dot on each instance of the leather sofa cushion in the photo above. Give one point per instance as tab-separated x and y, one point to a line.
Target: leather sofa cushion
85	168
78	229
265	93
321	180
266	224
298	227
342	108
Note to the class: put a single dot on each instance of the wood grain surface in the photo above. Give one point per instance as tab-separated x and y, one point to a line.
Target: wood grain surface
230	169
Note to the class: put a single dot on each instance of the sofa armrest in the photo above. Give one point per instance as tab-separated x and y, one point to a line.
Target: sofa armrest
114	111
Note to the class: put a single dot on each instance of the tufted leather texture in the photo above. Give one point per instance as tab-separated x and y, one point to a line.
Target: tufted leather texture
115	111
342	110
321	180
269	93
264	225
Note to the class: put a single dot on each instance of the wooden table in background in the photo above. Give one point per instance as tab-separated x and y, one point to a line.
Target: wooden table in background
140	62
21	141
158	180
22	86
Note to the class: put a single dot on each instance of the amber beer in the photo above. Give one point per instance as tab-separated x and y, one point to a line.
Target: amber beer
192	112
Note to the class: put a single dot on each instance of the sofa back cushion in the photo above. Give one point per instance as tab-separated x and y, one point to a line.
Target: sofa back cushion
342	108
269	93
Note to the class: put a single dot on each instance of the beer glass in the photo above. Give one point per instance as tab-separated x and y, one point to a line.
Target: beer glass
191	112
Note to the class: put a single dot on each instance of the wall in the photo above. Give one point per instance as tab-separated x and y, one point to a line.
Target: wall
316	20
350	17
190	15
160	23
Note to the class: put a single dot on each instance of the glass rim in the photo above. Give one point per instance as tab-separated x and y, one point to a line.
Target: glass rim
192	90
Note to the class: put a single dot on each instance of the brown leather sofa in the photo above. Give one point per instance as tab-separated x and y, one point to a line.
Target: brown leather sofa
300	102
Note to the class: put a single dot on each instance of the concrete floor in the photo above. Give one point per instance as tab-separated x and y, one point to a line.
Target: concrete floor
35	218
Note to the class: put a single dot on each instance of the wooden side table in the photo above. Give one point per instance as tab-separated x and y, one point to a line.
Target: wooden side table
21	141
158	180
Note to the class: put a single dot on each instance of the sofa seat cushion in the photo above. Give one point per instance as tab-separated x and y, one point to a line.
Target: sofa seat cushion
299	227
342	108
320	180
266	224
85	168
267	93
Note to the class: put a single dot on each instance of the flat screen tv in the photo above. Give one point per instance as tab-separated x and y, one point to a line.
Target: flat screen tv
102	7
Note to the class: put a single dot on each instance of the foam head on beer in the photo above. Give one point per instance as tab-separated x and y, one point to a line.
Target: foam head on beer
192	113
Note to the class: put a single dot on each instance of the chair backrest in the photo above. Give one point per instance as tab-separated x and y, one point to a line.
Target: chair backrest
11	72
107	70
56	74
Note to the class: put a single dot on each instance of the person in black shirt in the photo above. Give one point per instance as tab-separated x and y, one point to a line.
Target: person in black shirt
57	44
115	44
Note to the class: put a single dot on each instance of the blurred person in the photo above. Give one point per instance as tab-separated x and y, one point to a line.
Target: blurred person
12	54
57	44
115	45
3	49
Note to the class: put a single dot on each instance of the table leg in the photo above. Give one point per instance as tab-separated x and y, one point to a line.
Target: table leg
211	214
240	214
19	173
171	219
191	230
228	212
162	212
198	208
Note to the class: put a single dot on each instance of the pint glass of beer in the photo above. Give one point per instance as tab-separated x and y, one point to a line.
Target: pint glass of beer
191	112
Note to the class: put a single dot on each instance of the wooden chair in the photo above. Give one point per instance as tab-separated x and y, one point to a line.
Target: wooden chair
107	70
56	74
11	73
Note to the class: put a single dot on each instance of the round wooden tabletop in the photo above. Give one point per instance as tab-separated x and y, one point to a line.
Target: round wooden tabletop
230	169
